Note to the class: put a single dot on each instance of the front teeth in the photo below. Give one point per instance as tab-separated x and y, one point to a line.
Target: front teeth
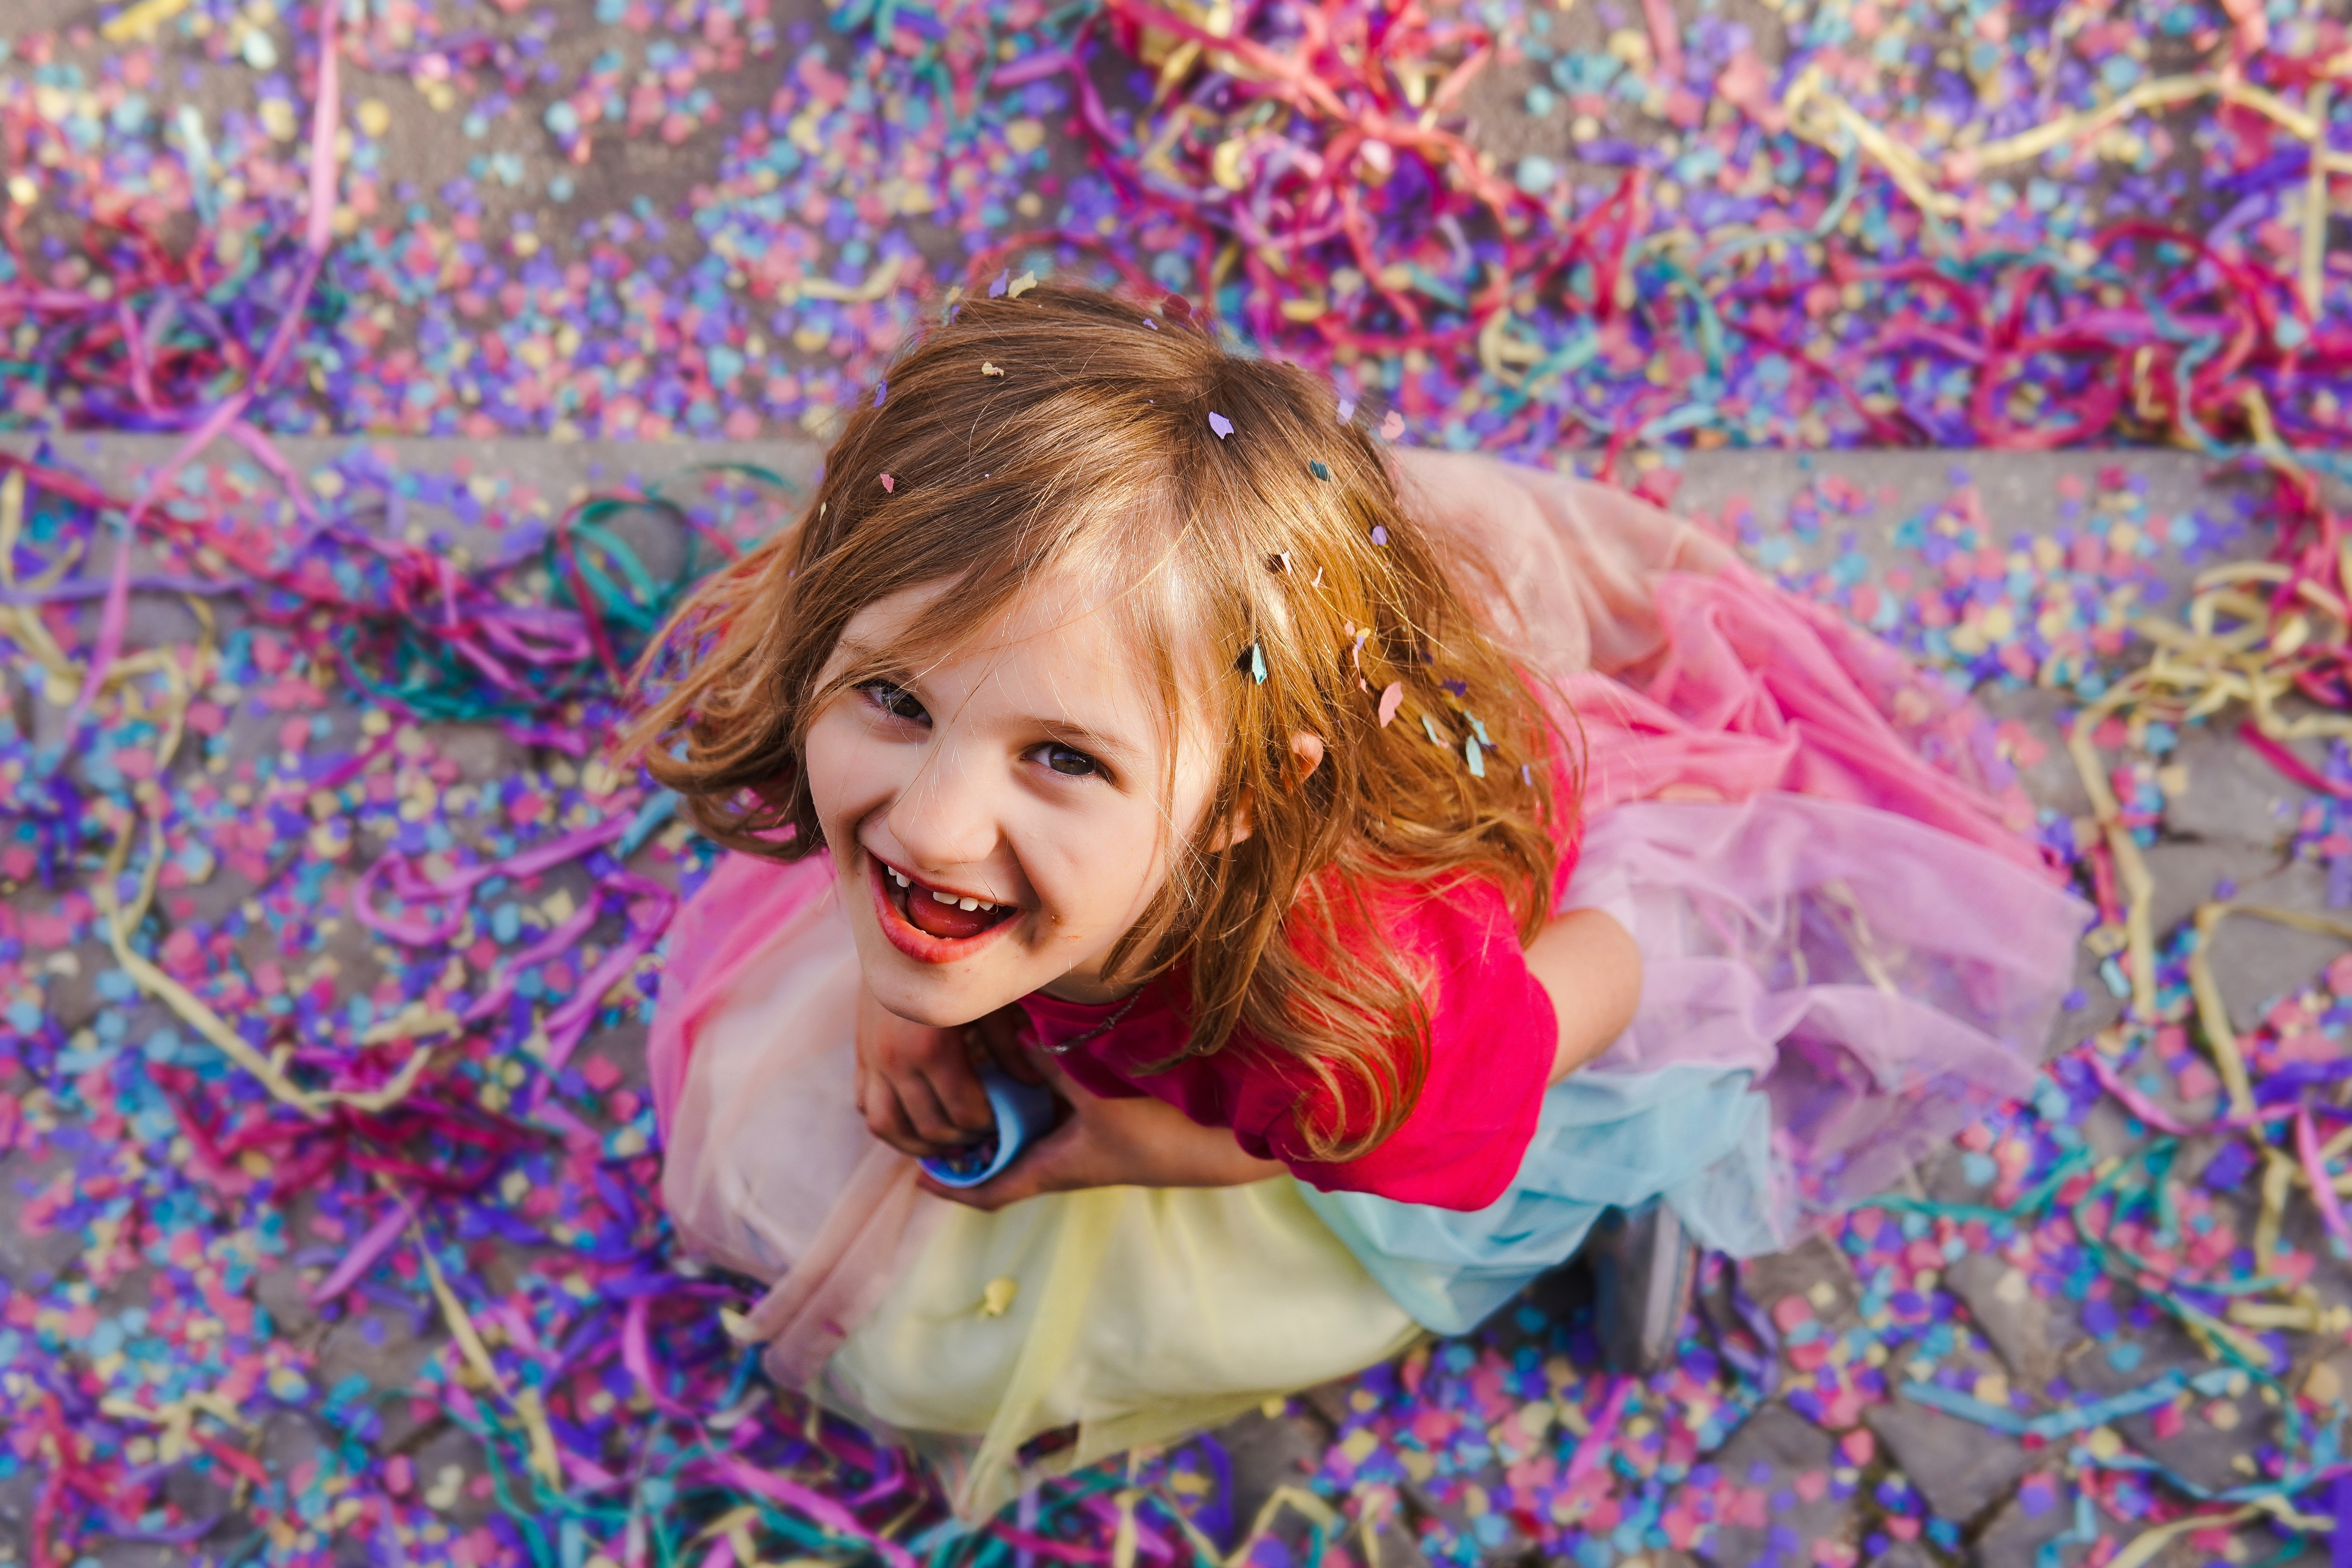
957	900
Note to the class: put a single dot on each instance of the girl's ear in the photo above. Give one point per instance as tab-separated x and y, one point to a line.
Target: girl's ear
1306	755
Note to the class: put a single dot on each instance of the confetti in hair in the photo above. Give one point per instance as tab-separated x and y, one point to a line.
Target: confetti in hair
890	485
1347	409
1379	533
996	289
1392	699
1221	424
881	391
1392	426
1319	468
1021	285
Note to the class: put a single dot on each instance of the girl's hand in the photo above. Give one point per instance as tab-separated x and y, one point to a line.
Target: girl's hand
917	1085
1138	1143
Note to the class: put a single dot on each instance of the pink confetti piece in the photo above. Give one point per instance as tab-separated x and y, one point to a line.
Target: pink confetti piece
1392	699
890	485
1392	426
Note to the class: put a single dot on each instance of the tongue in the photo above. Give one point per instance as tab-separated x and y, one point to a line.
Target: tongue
951	921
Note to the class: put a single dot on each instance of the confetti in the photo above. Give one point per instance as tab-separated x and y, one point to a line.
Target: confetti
1221	424
1021	286
988	369
888	484
1781	273
1319	468
1392	699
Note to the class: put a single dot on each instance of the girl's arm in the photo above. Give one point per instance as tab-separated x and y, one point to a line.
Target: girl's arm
1138	1143
1589	965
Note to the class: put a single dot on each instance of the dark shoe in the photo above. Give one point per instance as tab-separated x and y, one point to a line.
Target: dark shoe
1642	1270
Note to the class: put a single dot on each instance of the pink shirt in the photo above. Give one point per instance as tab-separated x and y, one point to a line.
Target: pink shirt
1492	1040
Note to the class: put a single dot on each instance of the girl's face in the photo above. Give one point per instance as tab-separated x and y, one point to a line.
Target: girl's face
995	814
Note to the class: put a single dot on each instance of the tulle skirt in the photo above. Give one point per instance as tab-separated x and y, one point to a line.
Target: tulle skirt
1849	952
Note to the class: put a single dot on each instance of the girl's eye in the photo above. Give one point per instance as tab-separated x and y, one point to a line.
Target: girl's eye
896	700
1070	763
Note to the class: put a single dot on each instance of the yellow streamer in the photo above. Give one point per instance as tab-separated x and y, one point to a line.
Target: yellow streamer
2144	1548
526	1404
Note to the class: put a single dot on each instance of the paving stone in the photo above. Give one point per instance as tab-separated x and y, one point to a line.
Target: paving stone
2202	1451
2039	1510
1961	1468
1904	1554
1781	1452
2233	796
2026	1329
1814	1269
1269	1452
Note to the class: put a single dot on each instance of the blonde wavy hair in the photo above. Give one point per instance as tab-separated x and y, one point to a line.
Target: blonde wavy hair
1270	579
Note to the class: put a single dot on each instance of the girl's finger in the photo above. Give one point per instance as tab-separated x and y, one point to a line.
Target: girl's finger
925	1114
961	1100
998	1036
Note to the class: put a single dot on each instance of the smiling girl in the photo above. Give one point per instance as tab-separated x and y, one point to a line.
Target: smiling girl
1392	863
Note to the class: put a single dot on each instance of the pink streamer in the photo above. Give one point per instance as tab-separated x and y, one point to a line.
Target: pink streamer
2323	1190
410	888
2163	1120
822	1509
636	1354
226	415
2287	762
1593	1451
371	1244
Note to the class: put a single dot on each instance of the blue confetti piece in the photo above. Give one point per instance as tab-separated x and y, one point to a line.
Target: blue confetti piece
1318	470
1257	664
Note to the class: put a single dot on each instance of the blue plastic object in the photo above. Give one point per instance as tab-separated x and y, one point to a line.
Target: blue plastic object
1025	1113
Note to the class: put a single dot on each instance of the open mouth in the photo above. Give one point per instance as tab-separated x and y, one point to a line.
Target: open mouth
939	912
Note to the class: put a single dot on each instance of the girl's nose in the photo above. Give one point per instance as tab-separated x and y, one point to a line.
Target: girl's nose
947	816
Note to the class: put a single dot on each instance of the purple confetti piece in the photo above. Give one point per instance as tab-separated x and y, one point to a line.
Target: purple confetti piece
1221	424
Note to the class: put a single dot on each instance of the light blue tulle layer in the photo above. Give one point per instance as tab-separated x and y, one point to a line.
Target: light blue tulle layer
1695	1136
